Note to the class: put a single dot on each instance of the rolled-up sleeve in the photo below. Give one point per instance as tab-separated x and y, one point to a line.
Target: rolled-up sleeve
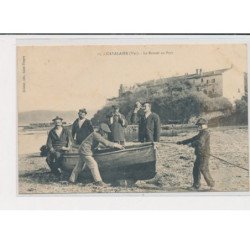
100	139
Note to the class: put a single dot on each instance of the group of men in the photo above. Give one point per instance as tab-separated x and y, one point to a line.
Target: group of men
149	129
149	124
82	134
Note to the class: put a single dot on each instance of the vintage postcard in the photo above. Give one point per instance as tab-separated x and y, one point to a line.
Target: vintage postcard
135	118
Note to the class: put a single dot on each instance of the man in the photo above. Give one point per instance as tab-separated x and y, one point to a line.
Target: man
81	127
59	140
149	123
86	154
117	124
201	143
137	114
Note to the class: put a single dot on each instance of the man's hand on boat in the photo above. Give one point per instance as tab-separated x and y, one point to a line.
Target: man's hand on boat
116	145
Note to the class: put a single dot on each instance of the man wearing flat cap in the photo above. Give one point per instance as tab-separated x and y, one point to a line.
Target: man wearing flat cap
201	143
81	127
59	141
117	124
86	154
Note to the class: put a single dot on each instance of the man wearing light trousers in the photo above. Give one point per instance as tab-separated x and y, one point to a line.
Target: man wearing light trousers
86	154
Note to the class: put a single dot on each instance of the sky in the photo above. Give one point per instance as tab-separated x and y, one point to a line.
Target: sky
72	77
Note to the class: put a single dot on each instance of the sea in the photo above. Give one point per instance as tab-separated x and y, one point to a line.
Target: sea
30	142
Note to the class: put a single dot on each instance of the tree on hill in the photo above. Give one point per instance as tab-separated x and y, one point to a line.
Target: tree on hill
241	109
178	100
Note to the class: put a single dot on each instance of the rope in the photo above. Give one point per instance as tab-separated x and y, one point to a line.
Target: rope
229	163
216	157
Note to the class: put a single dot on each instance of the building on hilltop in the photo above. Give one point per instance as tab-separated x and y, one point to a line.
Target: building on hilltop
228	82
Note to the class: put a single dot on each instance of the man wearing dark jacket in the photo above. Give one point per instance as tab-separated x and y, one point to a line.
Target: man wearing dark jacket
201	143
81	127
59	141
149	123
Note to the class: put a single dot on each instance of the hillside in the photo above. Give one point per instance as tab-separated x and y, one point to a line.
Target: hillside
180	102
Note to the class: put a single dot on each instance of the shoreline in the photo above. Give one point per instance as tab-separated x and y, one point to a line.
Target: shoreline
174	167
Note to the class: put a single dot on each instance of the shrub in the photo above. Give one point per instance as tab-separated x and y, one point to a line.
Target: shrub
241	110
182	104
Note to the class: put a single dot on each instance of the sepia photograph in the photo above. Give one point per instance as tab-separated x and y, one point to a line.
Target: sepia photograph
131	119
149	118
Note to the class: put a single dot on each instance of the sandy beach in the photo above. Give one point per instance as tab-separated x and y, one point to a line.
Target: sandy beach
174	168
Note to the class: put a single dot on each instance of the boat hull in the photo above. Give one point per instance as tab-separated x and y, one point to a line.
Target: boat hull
137	162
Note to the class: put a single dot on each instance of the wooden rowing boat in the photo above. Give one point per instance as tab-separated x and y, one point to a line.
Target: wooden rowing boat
135	162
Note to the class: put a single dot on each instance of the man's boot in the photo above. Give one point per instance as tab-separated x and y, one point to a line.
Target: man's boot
101	184
195	187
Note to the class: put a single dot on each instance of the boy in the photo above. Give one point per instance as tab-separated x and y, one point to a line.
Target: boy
201	143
